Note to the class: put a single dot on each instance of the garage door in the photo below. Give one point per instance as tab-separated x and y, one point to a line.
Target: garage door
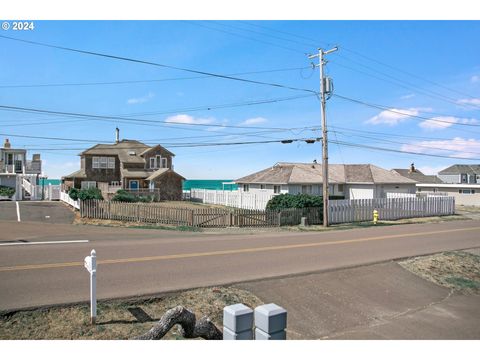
361	193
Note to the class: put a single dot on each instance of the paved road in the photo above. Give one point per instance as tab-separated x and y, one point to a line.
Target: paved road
140	262
381	301
52	212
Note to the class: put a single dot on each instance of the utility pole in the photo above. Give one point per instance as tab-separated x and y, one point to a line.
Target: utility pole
321	62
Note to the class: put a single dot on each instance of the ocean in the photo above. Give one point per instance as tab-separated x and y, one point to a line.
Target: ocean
187	184
208	184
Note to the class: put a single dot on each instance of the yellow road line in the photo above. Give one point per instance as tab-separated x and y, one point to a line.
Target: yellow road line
230	252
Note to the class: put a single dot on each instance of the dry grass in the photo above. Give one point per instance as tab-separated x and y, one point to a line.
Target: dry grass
457	270
116	319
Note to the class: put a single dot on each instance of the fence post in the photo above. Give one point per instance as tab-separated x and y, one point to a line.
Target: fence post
237	322
270	322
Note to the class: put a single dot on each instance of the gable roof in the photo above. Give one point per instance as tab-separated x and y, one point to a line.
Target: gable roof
418	176
156	147
311	173
161	172
461	169
128	151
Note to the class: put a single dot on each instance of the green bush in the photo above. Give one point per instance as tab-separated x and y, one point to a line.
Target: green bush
6	191
299	201
85	194
73	193
125	196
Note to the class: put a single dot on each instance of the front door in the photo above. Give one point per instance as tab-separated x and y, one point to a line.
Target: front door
134	184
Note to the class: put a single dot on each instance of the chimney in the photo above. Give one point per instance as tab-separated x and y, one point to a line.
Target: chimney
412	168
117	135
7	144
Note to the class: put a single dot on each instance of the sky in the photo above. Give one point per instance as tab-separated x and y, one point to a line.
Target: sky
411	86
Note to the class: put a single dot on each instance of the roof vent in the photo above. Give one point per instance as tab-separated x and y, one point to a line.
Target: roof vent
7	144
132	153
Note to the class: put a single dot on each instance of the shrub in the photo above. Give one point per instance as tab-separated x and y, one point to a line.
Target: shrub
125	196
73	193
6	191
299	201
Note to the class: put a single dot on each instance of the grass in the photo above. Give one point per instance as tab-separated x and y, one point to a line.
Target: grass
117	320
457	270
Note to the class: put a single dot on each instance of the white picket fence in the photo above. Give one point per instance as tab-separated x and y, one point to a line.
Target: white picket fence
345	211
67	199
238	199
391	195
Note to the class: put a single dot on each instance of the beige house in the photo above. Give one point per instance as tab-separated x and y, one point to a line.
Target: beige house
130	165
464	194
353	181
415	174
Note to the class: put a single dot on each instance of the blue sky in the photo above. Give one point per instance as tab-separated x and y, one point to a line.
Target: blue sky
395	64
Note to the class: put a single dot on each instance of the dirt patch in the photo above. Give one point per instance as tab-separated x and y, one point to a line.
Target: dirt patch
118	320
456	270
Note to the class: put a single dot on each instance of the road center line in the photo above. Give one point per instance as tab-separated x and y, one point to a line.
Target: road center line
231	252
46	242
18	211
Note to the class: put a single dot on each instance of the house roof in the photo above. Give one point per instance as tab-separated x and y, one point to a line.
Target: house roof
77	174
135	173
311	173
460	169
156	147
128	151
161	172
418	176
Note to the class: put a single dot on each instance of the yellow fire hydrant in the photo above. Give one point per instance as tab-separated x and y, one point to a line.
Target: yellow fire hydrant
375	216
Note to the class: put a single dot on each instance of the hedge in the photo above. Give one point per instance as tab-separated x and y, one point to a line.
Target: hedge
6	191
299	201
85	194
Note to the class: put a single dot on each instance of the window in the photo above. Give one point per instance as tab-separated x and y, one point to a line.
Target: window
276	189
246	187
464	178
263	186
466	191
340	187
158	162
115	183
102	162
152	163
88	184
306	189
164	163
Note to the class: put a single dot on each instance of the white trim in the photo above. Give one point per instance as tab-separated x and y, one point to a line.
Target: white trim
18	211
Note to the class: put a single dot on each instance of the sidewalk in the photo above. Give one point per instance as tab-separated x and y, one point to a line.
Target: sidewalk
382	301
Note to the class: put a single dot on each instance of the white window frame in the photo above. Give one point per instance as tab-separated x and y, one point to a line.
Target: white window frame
307	189
88	184
95	162
277	189
158	161
263	187
111	163
152	163
246	187
103	162
164	162
115	183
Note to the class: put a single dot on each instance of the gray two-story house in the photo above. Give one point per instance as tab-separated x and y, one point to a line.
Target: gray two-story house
17	172
130	165
460	174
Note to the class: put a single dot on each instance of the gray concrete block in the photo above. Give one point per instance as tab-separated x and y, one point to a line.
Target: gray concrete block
270	318
262	335
230	335
238	318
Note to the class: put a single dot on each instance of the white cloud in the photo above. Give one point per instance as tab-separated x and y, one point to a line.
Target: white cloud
392	116
475	79
431	170
254	121
459	147
187	119
443	122
471	101
142	99
408	96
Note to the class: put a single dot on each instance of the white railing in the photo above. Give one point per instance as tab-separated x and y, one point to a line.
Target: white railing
345	211
67	199
392	195
238	199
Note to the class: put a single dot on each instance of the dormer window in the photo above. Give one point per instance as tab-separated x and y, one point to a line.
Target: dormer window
152	163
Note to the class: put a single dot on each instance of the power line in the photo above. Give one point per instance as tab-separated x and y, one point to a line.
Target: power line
115	57
389	109
146	81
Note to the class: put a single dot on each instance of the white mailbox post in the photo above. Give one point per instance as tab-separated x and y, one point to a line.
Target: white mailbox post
91	265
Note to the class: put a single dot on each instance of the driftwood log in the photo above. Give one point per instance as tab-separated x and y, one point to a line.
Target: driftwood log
190	327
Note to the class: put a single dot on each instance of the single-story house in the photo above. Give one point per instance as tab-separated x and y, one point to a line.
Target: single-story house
415	174
353	181
464	194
